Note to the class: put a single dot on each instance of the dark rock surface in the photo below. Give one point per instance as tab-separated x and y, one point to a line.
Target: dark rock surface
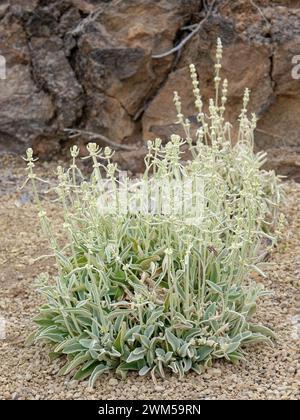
89	64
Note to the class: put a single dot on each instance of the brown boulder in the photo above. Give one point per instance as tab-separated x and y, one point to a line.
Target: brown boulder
259	44
89	64
114	59
24	108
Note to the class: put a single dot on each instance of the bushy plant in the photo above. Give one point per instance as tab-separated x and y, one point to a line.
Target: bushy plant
152	290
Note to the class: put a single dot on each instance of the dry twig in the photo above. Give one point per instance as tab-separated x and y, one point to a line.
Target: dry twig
260	11
90	18
74	132
187	38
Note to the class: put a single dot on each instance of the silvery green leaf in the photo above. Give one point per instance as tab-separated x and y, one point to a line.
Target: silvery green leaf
250	309
51	329
161	369
73	348
86	370
234	293
180	317
188	335
145	341
182	320
99	370
84	321
203	352
155	315
262	330
78	312
144	370
215	287
65	343
182	352
125	367
134	330
149	330
172	340
208	361
191	352
180	368
94	354
153	268
53	356
197	367
77	361
95	328
257	338
236	357
160	353
118	312
232	315
44	319
182	327
72	281
230	348
118	322
150	357
218	354
56	338
114	353
180	290
119	341
210	311
187	364
168	356
81	303
242	336
174	367
137	354
86	342
89	363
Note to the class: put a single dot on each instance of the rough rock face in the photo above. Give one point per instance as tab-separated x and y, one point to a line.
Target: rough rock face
89	64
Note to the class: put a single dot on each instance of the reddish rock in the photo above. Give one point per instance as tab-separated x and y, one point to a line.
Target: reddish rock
89	64
25	110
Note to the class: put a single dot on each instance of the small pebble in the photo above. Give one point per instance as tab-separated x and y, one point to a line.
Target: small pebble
215	372
113	382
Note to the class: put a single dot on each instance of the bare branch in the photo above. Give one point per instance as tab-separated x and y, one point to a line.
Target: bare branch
275	136
90	18
189	27
74	132
260	11
259	130
187	38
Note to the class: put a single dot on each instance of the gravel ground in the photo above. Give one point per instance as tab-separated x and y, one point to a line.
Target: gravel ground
27	373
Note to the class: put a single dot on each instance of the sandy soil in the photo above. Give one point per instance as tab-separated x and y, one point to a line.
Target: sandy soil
27	373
